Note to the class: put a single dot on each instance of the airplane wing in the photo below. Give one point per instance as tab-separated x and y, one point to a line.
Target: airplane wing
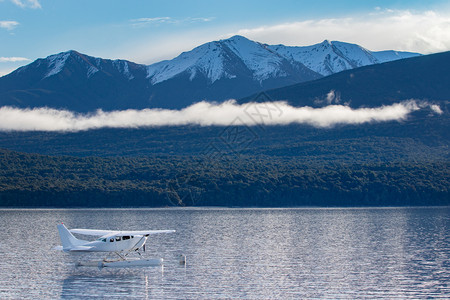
93	232
119	233
143	232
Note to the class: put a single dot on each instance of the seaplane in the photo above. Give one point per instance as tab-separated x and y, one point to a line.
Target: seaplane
120	243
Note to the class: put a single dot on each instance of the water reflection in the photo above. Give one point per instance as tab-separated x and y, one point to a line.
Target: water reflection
130	283
238	253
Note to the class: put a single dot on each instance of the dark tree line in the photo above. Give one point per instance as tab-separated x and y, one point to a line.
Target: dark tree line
31	180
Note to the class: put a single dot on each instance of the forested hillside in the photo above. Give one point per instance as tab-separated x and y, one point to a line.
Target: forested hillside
32	180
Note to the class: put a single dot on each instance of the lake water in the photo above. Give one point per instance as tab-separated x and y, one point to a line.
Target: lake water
237	253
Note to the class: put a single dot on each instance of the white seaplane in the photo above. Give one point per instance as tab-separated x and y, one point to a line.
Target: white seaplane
121	243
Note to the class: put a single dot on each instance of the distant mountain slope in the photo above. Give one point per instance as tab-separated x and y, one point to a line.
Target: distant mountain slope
424	78
216	71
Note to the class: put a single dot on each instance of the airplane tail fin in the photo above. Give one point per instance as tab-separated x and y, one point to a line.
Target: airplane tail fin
67	239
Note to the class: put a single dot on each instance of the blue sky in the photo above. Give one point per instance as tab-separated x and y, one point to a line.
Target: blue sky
149	31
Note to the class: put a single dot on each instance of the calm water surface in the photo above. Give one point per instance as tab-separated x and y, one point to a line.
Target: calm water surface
237	253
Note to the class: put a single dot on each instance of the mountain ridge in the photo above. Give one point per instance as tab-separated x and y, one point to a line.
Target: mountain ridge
341	51
214	71
423	78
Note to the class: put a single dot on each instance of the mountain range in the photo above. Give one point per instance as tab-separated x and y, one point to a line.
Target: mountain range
423	135
404	162
215	71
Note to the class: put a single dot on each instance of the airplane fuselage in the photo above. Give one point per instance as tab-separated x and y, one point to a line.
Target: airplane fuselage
112	244
110	241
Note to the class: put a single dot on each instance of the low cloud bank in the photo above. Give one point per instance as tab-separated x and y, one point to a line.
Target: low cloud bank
204	114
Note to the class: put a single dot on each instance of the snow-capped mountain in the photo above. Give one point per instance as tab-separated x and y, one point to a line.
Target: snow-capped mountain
77	82
268	61
235	66
67	62
218	70
227	59
328	57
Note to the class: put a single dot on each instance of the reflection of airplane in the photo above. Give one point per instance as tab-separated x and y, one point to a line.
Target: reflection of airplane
121	243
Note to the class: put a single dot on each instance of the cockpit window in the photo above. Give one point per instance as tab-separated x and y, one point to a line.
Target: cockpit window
118	238
111	240
125	237
103	240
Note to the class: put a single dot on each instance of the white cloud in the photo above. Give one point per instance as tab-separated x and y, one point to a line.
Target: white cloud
425	32
13	59
148	21
190	19
436	109
27	3
142	22
8	25
332	97
202	113
9	64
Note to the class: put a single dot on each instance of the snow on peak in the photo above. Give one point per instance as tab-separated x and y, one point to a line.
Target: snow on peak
91	71
95	64
91	65
262	61
212	59
56	63
207	58
390	55
237	55
327	58
358	56
123	67
237	38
